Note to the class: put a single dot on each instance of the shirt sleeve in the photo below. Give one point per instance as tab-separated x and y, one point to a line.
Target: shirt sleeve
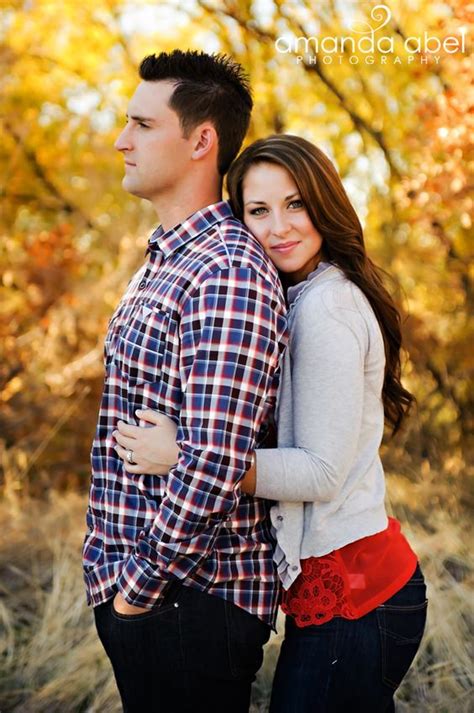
327	376
232	333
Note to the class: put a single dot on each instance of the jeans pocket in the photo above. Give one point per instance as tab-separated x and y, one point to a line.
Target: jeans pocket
246	636
401	629
168	603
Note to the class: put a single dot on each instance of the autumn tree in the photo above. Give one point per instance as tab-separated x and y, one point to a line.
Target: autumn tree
398	131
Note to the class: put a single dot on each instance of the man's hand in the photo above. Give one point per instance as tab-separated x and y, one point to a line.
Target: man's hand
121	606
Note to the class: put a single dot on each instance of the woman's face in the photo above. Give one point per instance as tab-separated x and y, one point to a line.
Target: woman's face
275	214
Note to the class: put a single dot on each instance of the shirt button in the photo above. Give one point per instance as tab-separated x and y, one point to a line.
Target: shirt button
142	285
294	568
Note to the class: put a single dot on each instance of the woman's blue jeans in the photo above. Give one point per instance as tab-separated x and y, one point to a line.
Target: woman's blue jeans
351	665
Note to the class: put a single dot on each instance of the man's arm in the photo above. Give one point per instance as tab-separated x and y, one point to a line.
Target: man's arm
232	333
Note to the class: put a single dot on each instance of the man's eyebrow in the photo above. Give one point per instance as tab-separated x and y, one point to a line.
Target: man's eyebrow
135	117
263	202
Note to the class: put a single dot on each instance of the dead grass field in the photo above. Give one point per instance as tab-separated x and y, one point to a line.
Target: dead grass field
51	659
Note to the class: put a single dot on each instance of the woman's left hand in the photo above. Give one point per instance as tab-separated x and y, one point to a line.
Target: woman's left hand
154	448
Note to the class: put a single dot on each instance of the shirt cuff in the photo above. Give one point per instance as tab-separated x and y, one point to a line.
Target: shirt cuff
138	583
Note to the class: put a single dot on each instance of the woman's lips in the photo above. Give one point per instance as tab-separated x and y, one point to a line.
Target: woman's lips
284	247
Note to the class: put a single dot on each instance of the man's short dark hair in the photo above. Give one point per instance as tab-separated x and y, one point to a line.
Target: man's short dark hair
208	88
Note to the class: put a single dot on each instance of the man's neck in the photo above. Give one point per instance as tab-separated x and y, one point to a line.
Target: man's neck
174	209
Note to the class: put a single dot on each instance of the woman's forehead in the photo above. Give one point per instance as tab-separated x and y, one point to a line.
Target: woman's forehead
268	178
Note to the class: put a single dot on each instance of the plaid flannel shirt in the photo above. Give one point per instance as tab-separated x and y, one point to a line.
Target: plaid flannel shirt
197	336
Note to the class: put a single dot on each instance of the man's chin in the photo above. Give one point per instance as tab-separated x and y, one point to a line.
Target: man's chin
131	187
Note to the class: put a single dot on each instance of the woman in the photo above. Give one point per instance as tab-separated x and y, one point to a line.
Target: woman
353	591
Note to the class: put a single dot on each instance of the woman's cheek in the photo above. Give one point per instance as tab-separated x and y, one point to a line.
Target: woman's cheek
259	233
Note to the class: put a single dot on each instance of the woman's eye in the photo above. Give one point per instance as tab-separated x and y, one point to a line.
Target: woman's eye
296	204
257	211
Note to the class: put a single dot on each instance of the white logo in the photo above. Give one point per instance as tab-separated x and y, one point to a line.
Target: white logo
365	39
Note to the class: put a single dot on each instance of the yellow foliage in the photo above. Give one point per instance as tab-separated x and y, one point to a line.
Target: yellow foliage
399	134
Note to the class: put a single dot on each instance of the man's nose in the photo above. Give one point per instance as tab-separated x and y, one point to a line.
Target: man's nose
123	142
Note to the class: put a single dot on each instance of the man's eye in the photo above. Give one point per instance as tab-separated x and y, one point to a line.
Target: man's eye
143	126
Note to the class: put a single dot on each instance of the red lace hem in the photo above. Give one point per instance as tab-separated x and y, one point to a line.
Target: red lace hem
351	581
319	593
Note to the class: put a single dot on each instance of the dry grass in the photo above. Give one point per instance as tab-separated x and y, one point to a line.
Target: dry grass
52	660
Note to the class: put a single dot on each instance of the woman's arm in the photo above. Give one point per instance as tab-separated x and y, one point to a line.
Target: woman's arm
154	448
327	383
249	481
327	354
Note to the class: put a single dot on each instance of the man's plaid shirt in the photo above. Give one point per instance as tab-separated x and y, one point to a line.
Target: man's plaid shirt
197	336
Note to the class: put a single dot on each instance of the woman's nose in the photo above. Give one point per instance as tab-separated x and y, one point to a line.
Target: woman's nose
281	225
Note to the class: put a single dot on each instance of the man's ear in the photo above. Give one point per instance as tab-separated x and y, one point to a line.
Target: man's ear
205	141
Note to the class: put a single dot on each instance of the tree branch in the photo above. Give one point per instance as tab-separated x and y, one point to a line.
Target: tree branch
267	36
39	171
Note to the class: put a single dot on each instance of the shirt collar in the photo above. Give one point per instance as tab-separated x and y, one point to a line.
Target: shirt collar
294	290
199	222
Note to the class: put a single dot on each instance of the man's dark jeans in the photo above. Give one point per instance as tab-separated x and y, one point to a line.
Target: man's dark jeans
193	652
356	665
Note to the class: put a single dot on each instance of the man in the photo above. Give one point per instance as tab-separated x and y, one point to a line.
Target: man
179	569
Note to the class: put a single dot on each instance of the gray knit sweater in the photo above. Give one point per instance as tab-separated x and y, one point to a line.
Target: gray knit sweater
326	472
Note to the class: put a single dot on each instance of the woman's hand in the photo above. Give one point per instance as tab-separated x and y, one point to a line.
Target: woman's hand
154	448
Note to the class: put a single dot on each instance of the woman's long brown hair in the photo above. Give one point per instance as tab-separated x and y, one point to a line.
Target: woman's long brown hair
335	219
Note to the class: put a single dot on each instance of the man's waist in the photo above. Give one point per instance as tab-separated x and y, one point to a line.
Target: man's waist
259	595
221	570
123	535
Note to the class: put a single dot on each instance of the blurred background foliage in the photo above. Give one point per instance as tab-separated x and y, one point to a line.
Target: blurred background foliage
400	134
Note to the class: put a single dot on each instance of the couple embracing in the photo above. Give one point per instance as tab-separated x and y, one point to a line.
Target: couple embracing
250	367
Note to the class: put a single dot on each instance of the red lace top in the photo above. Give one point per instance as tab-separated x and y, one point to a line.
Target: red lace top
353	580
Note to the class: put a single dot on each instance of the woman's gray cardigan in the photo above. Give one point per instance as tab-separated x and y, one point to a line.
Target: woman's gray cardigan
326	472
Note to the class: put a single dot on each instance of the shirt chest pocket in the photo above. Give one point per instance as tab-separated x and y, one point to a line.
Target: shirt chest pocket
141	343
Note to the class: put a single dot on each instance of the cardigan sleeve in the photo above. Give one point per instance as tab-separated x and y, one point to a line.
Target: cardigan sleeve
327	355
